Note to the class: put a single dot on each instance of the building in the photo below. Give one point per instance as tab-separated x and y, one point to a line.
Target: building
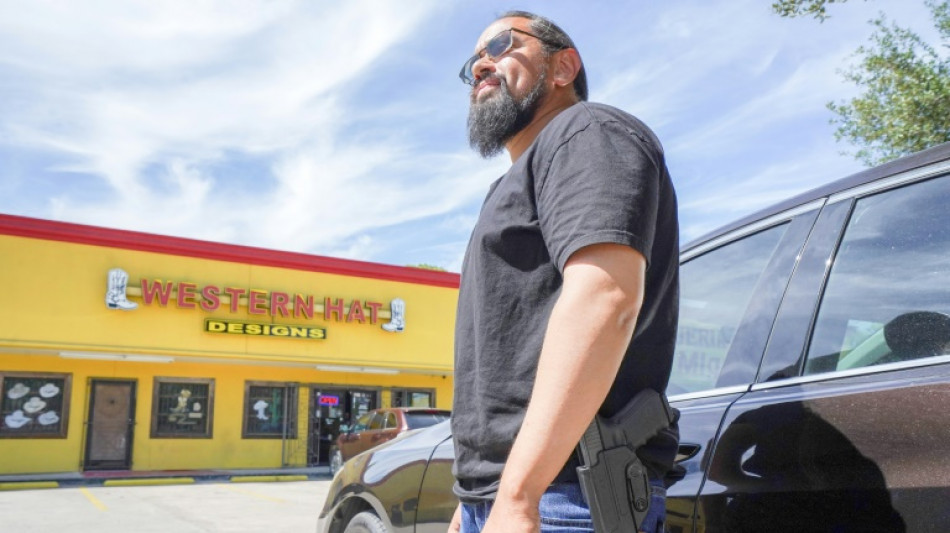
129	351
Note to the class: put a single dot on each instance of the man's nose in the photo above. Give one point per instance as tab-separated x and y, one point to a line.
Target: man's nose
482	67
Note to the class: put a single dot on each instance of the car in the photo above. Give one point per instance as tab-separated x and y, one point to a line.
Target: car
811	374
378	426
402	486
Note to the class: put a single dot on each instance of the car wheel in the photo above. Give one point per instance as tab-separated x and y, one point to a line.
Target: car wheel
365	522
336	461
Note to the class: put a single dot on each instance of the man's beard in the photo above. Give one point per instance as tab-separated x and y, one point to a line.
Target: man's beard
494	121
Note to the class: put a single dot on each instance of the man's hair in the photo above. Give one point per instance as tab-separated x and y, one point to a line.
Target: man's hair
553	38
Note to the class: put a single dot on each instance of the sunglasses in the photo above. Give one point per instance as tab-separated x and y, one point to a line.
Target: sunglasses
496	47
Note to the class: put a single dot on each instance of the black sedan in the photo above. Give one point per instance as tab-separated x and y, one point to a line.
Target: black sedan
403	486
812	374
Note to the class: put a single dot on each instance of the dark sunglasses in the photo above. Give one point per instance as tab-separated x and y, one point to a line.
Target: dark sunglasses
496	47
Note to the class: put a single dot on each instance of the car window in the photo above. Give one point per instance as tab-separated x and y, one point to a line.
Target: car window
887	297
715	289
377	421
424	419
391	421
362	423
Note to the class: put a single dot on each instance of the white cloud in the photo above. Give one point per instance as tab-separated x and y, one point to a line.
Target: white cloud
352	120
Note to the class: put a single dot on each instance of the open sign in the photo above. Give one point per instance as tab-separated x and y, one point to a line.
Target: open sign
329	400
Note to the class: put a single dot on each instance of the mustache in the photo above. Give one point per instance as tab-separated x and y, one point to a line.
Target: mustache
491	76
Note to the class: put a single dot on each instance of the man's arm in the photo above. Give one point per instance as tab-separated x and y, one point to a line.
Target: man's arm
587	335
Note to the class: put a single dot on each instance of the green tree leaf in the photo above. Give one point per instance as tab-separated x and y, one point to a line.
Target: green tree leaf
905	106
798	8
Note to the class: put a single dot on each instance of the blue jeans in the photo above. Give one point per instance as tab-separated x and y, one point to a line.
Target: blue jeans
563	510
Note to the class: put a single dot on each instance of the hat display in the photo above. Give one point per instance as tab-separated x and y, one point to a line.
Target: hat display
35	405
18	391
17	420
48	418
49	390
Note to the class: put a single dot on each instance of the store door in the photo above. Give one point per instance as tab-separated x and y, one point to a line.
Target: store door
110	424
331	412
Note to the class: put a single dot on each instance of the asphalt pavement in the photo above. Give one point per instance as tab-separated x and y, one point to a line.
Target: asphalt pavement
204	505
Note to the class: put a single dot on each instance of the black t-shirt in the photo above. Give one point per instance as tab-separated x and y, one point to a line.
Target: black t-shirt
594	175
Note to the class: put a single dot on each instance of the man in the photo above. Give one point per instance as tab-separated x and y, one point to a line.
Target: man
568	300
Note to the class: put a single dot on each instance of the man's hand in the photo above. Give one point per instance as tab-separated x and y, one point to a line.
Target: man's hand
456	525
513	516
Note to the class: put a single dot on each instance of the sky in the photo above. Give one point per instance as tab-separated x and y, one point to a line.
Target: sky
338	128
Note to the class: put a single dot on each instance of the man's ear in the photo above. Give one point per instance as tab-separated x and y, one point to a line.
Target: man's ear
567	63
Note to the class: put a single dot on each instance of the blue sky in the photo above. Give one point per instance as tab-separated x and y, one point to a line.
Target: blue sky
338	128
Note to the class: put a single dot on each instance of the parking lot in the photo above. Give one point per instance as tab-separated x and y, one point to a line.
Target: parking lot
238	507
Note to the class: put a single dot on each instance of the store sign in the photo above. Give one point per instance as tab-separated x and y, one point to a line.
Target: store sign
264	330
329	400
273	304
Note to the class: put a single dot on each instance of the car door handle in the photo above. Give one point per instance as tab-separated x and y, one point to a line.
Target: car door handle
686	451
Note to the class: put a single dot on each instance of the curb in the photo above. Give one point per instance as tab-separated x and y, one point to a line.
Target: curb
257	479
29	485
148	481
154	481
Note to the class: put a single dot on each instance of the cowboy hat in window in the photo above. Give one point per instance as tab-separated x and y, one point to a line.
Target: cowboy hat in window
18	391
48	418
35	405
49	390
16	420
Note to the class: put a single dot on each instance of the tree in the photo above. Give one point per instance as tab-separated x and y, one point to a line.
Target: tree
905	106
797	8
427	266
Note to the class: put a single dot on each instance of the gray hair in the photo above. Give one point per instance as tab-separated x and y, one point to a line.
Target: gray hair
553	38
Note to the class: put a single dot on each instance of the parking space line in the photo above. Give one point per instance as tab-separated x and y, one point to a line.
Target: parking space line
255	495
95	501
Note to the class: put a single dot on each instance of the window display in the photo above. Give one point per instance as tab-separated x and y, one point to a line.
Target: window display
34	404
182	408
270	410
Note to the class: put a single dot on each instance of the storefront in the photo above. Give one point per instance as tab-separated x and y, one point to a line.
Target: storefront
124	350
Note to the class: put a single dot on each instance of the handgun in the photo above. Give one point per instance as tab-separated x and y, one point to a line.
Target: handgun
613	479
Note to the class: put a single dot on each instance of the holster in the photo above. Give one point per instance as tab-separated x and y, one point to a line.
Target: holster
614	481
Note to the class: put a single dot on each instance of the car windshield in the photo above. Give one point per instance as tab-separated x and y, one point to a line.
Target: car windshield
424	419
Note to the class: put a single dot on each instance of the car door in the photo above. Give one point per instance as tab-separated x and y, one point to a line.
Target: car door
370	437
350	442
389	429
437	502
730	290
847	428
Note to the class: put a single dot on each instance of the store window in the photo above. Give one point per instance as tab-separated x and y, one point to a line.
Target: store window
182	408
887	299
413	398
34	405
270	410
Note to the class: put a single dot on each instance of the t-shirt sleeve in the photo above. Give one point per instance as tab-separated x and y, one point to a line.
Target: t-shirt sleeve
601	186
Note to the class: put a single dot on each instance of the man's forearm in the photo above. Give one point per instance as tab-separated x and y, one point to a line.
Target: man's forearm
587	335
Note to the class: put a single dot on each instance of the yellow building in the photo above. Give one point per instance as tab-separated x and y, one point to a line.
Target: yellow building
129	351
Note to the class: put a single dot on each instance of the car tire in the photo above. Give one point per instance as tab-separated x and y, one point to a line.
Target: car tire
336	461
365	522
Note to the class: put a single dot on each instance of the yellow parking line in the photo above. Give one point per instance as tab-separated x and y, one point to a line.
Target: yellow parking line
95	501
255	495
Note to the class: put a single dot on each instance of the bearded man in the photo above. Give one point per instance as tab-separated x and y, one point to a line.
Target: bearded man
568	299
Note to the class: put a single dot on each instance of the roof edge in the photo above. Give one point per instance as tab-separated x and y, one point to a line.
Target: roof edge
36	228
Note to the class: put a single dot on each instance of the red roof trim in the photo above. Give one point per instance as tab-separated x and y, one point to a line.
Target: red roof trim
147	242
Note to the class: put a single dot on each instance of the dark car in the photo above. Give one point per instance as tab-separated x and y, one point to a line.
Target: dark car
812	373
381	425
402	486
